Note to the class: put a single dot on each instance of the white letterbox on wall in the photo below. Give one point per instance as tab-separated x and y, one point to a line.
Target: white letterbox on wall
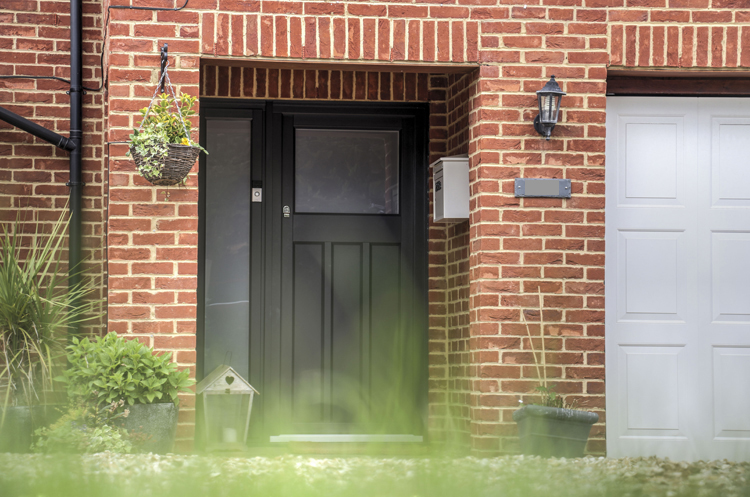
450	183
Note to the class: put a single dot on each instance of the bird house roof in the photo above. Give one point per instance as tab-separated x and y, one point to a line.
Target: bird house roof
224	379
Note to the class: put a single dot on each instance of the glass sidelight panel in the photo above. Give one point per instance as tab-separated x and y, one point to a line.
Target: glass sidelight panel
346	172
227	269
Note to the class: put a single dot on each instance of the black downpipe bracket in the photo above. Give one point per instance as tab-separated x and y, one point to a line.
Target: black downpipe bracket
76	136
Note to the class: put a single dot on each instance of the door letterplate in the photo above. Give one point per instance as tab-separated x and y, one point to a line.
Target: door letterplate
287	211
257	194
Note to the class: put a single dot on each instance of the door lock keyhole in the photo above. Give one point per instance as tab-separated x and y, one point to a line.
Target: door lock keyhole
287	211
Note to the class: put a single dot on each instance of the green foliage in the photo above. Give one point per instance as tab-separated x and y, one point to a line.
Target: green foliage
36	309
111	368
160	127
85	429
550	398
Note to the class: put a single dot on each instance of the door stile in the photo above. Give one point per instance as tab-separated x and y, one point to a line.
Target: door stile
327	337
284	137
366	338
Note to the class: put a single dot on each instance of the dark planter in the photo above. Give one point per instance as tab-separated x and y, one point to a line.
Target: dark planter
16	433
157	423
552	431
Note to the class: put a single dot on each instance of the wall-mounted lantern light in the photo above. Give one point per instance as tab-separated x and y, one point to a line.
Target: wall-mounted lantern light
549	107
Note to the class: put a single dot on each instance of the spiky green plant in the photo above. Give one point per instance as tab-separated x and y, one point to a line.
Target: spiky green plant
36	309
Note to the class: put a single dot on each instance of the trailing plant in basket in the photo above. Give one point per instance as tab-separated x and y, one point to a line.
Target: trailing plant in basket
111	368
165	122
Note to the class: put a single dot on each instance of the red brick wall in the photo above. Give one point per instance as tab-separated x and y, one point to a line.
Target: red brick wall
35	41
152	232
516	246
461	89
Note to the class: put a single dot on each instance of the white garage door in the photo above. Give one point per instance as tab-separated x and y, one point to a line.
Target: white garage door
678	277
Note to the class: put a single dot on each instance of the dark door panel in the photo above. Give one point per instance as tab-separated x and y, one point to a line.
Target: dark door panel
350	273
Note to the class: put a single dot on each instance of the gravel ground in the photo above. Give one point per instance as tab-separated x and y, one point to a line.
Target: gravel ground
147	475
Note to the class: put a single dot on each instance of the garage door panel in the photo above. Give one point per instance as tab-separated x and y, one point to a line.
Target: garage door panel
686	256
651	157
730	277
651	290
651	149
731	372
650	285
651	390
730	171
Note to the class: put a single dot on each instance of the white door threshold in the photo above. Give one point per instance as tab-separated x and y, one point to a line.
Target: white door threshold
347	438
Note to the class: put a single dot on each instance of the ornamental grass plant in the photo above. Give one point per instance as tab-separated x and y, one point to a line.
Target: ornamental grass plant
37	308
545	391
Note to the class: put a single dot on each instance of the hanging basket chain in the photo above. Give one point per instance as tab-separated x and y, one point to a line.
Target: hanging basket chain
156	92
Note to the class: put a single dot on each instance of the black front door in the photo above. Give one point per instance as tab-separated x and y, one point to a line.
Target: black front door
334	297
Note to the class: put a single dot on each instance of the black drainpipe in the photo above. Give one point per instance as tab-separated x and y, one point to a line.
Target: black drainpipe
76	135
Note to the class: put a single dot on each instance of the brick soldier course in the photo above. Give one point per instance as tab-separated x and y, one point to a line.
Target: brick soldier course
477	63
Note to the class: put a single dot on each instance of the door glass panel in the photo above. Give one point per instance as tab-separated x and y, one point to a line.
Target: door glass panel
227	269
346	172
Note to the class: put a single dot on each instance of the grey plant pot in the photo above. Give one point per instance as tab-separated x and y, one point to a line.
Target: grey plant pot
16	430
16	433
158	422
552	431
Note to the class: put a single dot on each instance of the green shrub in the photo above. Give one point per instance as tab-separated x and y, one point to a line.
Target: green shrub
85	429
111	368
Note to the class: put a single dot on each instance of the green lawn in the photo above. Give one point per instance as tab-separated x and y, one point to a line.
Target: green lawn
146	475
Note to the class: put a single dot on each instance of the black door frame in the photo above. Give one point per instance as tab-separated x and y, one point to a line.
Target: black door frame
265	253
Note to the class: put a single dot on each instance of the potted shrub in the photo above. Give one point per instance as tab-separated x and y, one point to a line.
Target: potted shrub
110	369
161	146
36	310
553	427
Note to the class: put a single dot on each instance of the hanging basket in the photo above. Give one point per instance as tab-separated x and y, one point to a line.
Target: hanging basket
174	167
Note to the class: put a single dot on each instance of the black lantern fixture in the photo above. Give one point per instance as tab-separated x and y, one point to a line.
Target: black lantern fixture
549	107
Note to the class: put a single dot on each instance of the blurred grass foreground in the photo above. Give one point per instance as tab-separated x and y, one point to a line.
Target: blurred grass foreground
147	475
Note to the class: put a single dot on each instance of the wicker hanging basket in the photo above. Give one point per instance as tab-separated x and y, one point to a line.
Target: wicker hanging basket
174	167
